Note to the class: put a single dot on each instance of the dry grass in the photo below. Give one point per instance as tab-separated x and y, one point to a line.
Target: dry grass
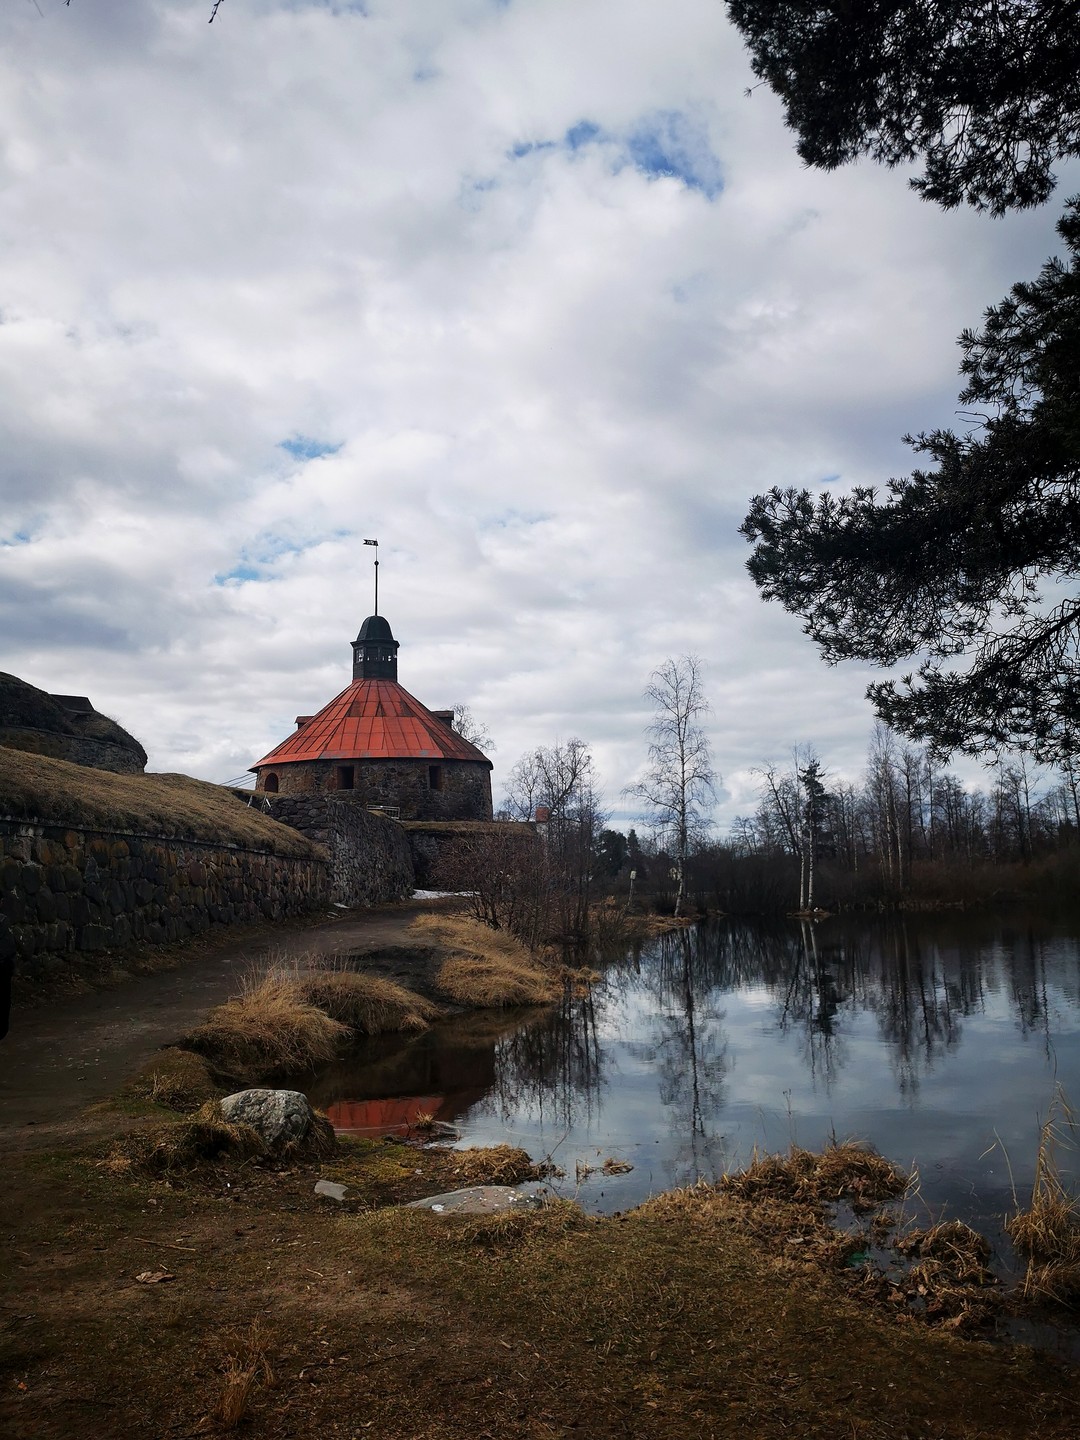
951	1280
495	1165
244	1368
795	1229
485	968
293	1019
36	787
176	1079
489	984
368	1004
1048	1231
536	1224
850	1172
203	1140
186	1146
959	1250
268	1029
389	1322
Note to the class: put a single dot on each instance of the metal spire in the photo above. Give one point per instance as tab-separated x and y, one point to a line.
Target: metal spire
376	544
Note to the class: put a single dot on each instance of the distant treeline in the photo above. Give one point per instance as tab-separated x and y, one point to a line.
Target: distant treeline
909	835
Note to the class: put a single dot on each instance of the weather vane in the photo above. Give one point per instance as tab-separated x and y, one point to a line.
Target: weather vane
376	544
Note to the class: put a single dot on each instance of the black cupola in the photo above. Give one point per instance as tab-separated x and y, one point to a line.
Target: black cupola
375	651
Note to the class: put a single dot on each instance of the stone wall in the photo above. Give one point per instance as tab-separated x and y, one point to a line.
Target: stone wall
66	891
429	841
369	855
78	749
420	789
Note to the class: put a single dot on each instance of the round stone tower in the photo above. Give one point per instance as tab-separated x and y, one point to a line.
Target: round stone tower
380	742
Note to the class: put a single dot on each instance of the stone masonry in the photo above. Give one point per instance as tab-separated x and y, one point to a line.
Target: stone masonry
65	891
370	859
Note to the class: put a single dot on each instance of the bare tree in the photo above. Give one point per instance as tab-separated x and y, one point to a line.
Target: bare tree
470	728
680	780
561	778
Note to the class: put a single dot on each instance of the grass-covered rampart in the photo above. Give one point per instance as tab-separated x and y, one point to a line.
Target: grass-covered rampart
55	792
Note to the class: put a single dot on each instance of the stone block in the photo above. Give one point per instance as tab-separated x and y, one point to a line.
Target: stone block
80	910
13	907
94	937
30	879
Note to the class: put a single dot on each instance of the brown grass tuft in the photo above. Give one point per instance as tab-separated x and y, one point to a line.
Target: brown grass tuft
490	984
177	1079
368	1004
494	1165
952	1246
269	1029
849	1171
185	1146
553	1219
1048	1231
486	968
243	1369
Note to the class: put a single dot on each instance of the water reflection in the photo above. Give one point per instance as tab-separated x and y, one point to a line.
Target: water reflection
937	1039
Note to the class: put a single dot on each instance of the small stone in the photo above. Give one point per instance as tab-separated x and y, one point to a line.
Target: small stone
331	1189
276	1116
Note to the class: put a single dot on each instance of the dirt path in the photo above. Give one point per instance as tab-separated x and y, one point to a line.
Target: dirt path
74	1051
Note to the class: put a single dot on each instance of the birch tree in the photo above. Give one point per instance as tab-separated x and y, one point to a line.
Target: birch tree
680	780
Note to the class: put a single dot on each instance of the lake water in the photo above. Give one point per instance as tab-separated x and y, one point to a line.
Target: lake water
939	1040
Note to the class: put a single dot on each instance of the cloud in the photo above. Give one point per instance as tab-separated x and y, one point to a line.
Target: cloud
534	293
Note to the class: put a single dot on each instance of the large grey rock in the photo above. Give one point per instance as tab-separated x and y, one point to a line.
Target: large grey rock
277	1116
477	1200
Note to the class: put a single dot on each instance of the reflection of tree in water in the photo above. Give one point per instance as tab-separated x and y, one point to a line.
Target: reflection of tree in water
817	987
691	1055
1028	986
554	1065
919	1009
822	975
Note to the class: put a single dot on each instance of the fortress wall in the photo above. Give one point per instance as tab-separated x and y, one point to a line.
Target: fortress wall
370	860
431	842
67	892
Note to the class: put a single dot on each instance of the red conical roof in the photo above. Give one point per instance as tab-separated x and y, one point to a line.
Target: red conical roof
373	720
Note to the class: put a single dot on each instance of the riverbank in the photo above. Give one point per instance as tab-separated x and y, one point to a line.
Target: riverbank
226	1295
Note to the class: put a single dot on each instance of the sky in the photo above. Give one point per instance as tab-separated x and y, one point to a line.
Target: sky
536	294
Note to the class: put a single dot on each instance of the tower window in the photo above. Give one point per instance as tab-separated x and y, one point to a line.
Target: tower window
270	783
345	777
435	777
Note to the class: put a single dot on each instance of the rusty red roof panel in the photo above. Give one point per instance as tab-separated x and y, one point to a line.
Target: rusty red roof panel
373	720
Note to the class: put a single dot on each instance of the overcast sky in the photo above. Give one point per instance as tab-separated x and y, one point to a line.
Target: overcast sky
533	292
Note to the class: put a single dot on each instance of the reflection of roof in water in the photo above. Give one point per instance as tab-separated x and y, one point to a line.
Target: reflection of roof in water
382	1117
